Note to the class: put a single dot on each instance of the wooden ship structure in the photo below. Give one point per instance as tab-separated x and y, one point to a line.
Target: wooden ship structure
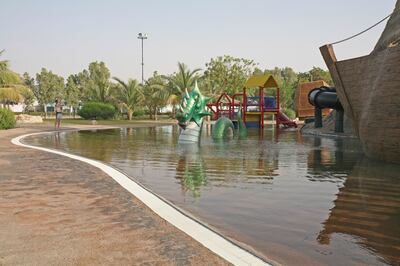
369	90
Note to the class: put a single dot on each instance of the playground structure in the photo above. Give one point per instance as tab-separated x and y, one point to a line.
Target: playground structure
253	109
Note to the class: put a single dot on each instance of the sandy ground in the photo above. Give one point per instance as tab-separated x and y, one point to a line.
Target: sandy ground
57	211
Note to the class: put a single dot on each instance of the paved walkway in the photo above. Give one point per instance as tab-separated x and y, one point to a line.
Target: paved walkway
55	210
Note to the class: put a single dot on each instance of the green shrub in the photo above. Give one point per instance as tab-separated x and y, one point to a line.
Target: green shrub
96	110
7	119
119	116
139	112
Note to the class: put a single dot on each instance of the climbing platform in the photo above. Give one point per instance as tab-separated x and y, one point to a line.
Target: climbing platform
253	108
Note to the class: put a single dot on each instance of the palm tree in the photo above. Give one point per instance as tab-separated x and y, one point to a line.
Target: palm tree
12	89
155	94
129	95
173	100
3	63
7	77
183	79
10	96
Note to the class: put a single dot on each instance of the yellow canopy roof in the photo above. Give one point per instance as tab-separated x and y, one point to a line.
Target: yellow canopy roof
266	81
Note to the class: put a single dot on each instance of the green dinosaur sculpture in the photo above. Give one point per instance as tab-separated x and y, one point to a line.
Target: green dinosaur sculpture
224	128
192	107
190	115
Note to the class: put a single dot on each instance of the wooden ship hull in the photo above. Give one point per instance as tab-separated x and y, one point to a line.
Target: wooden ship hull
369	90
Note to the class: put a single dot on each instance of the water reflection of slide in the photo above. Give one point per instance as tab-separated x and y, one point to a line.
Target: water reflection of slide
190	169
368	207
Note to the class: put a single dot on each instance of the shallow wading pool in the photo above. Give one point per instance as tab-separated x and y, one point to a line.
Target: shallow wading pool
294	199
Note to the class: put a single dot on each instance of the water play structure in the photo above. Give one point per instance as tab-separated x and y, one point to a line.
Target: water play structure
368	90
253	109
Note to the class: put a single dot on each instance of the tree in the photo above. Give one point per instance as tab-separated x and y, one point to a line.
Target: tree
129	95
155	94
73	92
9	95
314	74
15	94
28	97
27	93
49	86
13	89
82	80
7	77
317	73
3	63
173	100
227	74
28	80
98	84
287	80
183	79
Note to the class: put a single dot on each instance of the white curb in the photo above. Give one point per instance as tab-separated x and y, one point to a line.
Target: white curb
208	238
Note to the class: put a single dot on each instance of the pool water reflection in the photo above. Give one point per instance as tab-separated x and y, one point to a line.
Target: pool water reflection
292	198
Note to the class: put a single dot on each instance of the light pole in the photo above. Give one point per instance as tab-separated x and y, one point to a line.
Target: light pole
142	36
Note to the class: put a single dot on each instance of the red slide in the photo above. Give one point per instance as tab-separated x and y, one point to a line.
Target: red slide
284	120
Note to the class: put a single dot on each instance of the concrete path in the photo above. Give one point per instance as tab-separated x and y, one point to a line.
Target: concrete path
55	210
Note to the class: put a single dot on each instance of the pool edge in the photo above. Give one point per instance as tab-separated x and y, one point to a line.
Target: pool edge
197	230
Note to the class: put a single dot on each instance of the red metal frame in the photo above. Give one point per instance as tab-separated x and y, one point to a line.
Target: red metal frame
219	106
278	106
231	103
240	104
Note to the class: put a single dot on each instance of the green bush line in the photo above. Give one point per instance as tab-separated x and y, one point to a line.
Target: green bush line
97	110
7	119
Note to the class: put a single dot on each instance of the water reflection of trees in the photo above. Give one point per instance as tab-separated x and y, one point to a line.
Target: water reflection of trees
118	144
368	207
91	144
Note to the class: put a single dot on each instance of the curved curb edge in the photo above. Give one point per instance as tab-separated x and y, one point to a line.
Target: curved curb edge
206	237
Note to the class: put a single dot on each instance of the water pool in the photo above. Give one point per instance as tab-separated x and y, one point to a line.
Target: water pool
292	198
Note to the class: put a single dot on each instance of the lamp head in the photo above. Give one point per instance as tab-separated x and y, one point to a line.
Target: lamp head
142	36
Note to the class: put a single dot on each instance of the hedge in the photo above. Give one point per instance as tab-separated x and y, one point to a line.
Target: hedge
96	110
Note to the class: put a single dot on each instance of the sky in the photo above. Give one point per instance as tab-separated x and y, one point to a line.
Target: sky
65	36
